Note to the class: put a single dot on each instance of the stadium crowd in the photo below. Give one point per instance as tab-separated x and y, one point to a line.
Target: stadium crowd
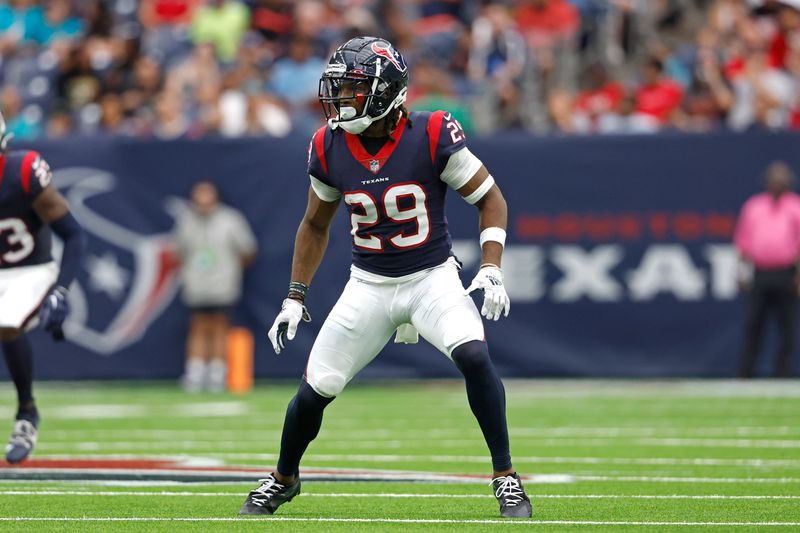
191	68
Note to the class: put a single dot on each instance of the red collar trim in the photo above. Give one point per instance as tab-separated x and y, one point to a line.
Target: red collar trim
2	167
368	160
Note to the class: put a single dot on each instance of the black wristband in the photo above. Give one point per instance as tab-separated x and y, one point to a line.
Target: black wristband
298	290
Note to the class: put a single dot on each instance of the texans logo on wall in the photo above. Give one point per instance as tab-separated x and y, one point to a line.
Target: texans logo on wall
129	277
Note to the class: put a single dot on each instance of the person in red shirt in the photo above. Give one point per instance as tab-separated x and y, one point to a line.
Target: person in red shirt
768	239
659	96
601	97
543	22
787	18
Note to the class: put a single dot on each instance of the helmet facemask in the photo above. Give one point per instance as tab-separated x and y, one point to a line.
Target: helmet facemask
354	101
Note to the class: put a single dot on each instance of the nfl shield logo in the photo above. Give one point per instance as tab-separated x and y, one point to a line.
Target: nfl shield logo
374	166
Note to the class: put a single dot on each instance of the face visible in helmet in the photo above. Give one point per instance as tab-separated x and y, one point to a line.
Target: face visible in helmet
345	98
365	79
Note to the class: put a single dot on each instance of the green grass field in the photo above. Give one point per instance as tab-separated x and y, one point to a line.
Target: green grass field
605	455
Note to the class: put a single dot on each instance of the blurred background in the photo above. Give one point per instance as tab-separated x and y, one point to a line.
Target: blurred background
197	68
626	134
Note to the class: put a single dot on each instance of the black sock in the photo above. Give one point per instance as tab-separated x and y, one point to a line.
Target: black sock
300	427
487	399
19	359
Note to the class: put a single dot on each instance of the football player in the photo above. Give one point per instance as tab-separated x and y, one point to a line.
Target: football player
33	289
392	169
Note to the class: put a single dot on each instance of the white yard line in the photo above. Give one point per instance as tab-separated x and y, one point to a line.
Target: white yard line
391	434
91	446
668	479
233	444
405	495
392	458
138	410
395	521
658	461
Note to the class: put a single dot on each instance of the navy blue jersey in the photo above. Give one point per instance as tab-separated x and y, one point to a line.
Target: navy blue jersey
24	237
396	198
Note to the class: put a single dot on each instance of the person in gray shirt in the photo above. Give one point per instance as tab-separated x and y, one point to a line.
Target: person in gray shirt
214	243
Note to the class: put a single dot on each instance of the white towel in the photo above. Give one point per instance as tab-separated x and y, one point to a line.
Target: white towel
406	334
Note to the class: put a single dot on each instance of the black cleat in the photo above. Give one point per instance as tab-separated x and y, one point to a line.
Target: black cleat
514	503
269	496
22	441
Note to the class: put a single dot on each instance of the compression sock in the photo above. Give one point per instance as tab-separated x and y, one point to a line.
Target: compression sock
487	399
301	426
19	359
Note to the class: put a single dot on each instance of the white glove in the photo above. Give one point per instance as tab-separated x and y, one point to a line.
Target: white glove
285	325
495	298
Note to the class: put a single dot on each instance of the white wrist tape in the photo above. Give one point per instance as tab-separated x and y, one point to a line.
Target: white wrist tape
493	234
481	191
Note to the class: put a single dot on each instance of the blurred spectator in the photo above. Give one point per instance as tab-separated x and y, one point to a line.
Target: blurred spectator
154	13
708	98
438	28
171	120
550	29
60	124
214	243
140	88
513	64
273	19
763	95
54	21
221	23
197	81
786	38
23	123
496	66
597	104
433	90
768	240
113	118
658	97
78	83
13	20
316	22
295	80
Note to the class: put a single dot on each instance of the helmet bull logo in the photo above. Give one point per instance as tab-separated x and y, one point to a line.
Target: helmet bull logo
388	53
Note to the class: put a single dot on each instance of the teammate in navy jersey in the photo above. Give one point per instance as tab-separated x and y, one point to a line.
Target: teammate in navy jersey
32	287
392	169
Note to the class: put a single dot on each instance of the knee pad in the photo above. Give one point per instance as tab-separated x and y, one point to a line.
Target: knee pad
471	357
321	390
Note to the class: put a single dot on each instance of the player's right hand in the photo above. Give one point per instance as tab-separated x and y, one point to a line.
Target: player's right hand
54	311
285	326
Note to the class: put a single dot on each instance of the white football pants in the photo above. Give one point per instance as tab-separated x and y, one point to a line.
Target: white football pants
22	290
366	315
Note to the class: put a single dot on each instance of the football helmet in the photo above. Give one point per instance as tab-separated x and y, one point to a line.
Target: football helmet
367	72
4	135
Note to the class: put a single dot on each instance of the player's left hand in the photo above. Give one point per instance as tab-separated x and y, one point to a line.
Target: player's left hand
54	311
495	298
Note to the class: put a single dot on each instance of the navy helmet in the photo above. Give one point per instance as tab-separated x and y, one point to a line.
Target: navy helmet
375	74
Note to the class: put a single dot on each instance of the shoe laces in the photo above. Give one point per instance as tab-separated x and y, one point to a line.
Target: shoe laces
509	490
269	487
24	434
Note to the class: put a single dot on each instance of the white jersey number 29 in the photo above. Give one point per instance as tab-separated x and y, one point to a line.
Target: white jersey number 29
19	239
371	215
